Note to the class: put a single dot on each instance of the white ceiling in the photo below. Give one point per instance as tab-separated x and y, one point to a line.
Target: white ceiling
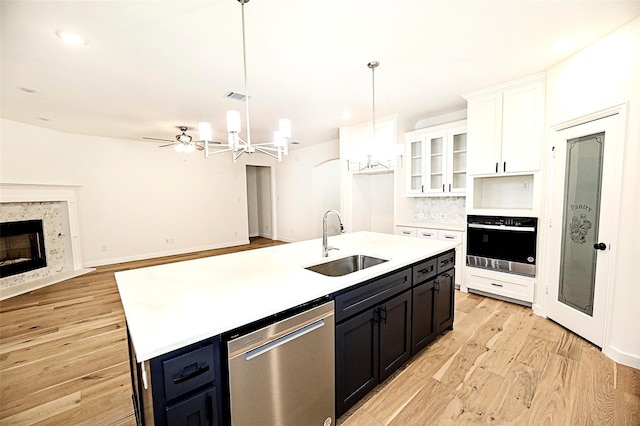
152	65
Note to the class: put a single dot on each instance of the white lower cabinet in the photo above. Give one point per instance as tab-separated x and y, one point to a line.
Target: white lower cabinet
515	287
443	235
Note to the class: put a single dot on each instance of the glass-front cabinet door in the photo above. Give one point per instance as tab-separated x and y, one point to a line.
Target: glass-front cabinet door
458	158
437	160
415	158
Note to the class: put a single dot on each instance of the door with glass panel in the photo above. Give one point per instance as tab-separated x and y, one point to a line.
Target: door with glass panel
581	226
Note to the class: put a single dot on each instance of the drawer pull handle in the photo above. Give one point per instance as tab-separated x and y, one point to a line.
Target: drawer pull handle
425	270
406	232
497	285
196	373
449	237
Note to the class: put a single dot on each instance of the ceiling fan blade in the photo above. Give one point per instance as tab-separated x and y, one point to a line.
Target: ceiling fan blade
157	139
169	144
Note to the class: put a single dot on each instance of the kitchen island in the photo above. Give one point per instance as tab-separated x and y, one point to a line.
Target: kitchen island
174	306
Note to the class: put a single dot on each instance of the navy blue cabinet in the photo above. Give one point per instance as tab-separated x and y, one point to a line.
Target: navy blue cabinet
182	387
381	323
373	335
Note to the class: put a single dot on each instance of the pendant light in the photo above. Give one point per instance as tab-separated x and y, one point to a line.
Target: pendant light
371	163
235	144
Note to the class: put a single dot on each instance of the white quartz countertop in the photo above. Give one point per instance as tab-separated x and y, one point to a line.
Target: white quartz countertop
173	305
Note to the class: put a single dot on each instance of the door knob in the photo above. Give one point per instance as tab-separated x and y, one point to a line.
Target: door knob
600	246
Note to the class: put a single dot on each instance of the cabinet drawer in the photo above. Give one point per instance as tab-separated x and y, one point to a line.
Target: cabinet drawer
513	289
446	261
430	234
361	298
452	236
406	231
424	270
199	409
188	371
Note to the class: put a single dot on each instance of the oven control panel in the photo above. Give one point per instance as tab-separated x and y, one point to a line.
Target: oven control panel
502	220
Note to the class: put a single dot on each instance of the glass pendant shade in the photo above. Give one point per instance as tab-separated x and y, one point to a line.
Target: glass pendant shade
204	131
285	127
233	121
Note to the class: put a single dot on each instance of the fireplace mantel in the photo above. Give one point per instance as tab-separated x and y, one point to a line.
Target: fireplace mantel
64	194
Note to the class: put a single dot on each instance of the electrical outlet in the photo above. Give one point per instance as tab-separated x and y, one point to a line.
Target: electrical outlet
103	248
168	240
525	185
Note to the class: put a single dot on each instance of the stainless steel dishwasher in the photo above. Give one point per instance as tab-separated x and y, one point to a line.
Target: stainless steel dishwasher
283	373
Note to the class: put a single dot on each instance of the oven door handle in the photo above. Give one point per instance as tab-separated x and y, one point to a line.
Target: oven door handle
503	227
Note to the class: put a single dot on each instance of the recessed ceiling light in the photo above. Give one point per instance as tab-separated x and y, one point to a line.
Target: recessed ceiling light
564	45
71	38
29	89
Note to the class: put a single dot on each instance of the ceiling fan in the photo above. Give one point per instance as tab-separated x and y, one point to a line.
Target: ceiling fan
183	142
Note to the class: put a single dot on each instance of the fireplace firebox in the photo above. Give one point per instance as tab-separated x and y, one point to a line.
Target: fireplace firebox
21	247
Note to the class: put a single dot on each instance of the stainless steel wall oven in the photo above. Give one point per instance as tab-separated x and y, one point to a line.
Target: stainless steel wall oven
501	243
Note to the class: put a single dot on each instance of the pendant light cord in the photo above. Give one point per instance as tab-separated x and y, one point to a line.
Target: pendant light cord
373	65
246	85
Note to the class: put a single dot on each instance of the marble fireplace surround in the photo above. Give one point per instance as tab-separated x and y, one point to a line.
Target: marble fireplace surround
62	197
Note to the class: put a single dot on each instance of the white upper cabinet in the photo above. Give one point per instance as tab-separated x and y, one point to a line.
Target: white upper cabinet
437	158
505	127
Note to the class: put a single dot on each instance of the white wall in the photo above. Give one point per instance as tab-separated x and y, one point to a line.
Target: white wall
326	195
134	196
296	216
603	75
368	200
264	201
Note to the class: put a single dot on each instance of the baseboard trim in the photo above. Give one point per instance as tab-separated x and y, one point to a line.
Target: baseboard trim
622	357
124	259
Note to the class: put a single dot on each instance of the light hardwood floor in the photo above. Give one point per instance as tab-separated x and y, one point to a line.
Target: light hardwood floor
63	361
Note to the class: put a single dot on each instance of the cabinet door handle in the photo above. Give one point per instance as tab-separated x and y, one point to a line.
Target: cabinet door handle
504	167
422	188
436	285
443	187
496	167
497	285
196	373
449	187
383	309
426	270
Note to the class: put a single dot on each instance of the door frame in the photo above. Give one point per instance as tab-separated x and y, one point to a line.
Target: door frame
615	180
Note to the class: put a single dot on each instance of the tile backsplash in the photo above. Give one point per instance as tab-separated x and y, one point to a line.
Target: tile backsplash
440	210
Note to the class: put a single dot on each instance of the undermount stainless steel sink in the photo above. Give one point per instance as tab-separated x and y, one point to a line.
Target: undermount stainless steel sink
346	265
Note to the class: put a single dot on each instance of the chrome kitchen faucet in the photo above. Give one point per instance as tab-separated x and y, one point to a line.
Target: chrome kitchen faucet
325	246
